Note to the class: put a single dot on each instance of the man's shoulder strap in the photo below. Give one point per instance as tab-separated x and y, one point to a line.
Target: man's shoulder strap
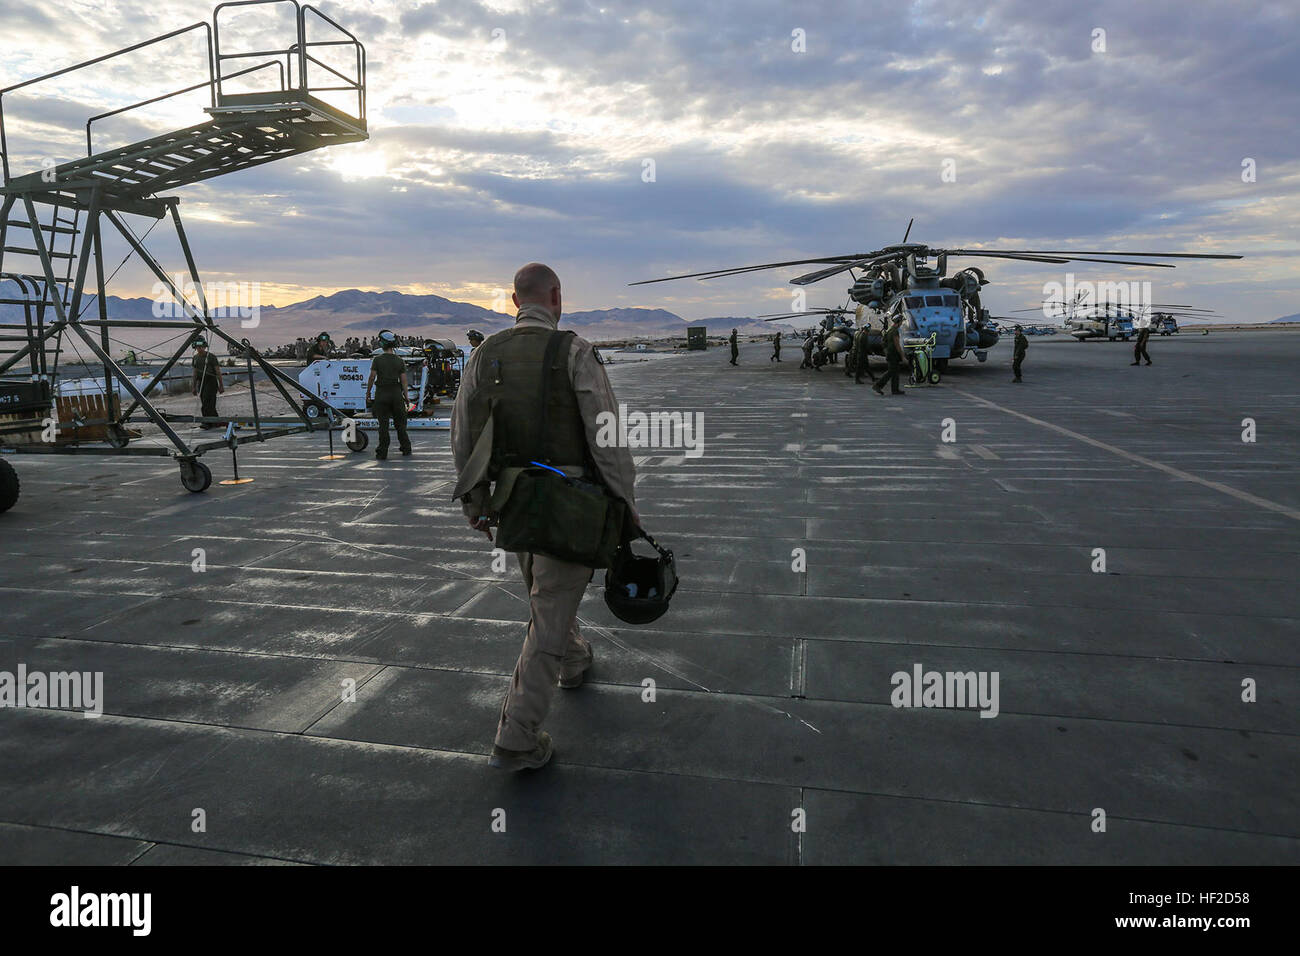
553	344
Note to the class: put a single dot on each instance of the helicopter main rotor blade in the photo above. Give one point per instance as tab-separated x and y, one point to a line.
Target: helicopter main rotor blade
796	315
1133	255
1043	257
1003	255
743	270
865	263
738	270
815	311
1121	262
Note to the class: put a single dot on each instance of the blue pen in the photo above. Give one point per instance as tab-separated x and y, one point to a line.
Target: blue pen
549	468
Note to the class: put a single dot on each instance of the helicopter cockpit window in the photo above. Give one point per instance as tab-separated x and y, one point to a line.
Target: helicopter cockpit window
915	301
933	300
950	301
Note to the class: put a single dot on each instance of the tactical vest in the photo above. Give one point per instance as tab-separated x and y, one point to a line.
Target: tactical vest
509	390
890	341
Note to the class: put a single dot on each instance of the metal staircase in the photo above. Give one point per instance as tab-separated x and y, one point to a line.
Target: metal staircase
51	219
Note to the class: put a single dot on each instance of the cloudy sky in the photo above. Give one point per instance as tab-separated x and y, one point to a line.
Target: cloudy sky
509	130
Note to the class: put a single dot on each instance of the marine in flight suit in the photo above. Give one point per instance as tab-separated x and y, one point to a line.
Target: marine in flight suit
388	381
554	650
207	382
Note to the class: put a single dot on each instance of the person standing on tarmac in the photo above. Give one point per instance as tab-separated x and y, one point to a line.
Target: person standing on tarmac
1140	346
808	344
894	354
475	338
500	384
320	348
388	381
1018	353
819	351
207	383
776	348
861	340
735	348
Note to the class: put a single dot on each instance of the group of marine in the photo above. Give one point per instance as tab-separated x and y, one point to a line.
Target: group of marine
386	389
856	361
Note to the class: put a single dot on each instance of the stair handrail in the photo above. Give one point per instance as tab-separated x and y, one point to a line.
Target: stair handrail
198	25
299	52
359	84
218	57
188	89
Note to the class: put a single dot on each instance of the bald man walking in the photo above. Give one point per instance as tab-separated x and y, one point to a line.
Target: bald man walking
500	386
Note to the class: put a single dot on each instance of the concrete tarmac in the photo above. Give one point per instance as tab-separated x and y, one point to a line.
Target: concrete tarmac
311	664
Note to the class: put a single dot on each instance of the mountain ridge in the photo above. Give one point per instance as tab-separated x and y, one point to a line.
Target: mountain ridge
362	313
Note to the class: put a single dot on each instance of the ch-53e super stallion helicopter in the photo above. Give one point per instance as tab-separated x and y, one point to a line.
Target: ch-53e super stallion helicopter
836	335
911	280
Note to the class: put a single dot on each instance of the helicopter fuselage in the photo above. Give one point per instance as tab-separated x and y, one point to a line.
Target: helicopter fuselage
930	304
1100	327
930	310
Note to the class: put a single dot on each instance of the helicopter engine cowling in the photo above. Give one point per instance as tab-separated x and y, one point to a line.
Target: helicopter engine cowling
966	283
868	291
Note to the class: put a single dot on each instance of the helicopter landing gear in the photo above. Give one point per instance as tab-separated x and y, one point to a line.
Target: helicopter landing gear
195	476
9	486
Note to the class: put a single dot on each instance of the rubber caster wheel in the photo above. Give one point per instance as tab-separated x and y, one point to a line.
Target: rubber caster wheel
118	436
360	442
9	486
934	377
195	476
